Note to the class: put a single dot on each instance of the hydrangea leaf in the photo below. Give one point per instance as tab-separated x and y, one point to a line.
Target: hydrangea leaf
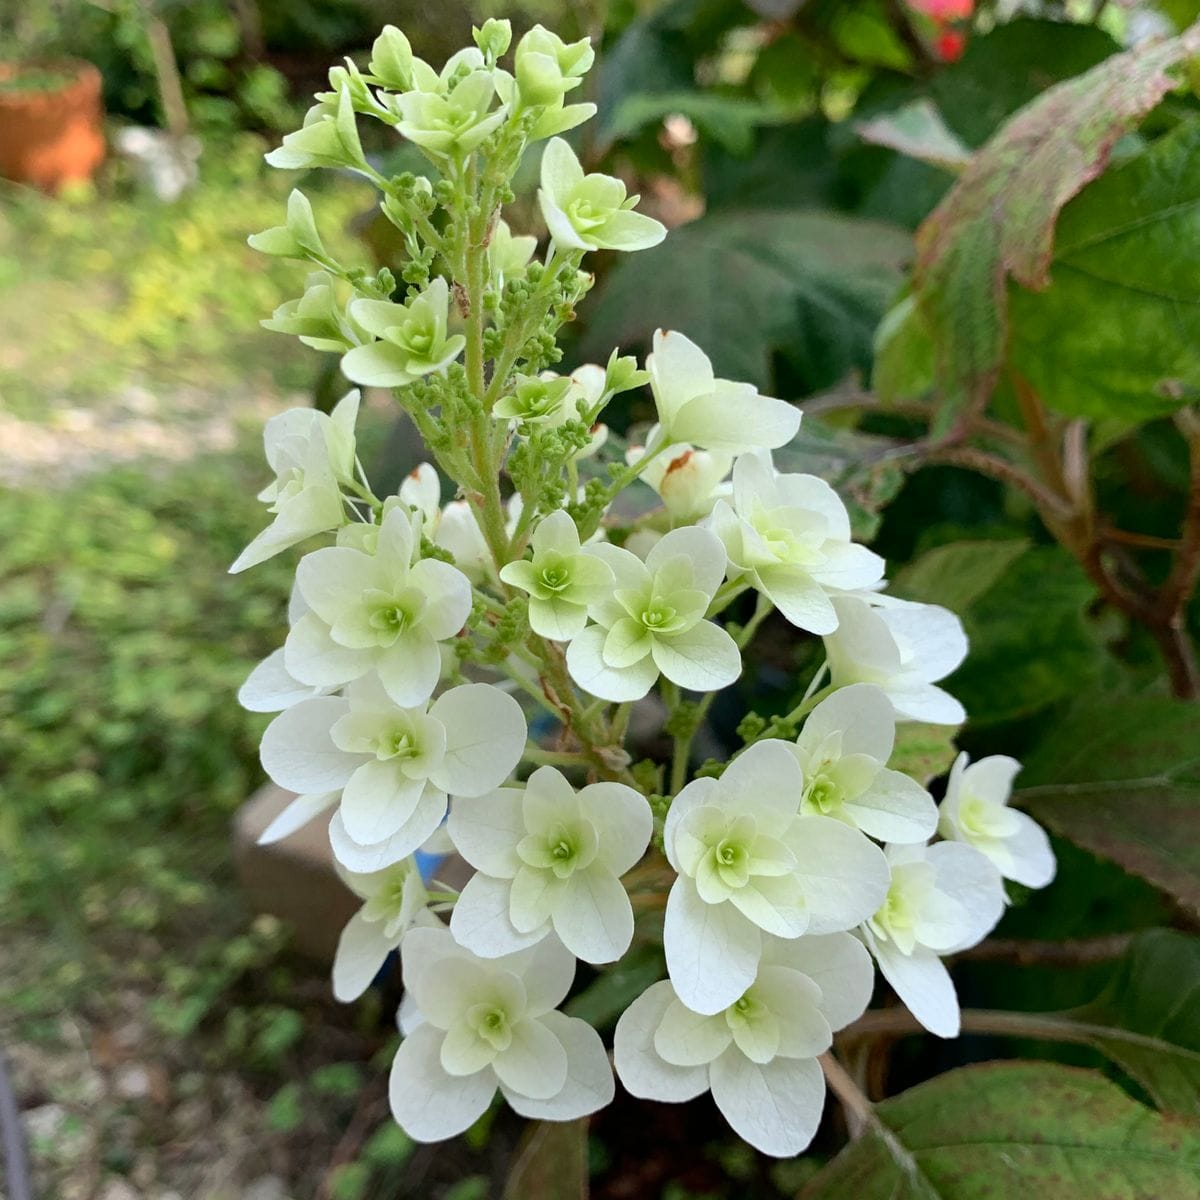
1015	1129
1121	778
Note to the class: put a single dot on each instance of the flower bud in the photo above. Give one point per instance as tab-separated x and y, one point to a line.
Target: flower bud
493	38
392	59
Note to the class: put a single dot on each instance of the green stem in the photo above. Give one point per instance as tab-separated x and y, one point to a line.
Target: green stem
555	758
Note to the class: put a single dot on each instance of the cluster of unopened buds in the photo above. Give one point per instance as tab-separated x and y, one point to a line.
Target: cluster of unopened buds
461	664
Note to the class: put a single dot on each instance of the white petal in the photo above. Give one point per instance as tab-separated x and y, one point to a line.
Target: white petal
800	599
535	1063
378	799
311	655
547	970
735	418
270	687
298	753
486	829
924	702
642	1070
795	1001
428	1104
589	1085
864	717
690	1039
968	877
480	919
623	823
695	795
333	580
679	371
923	984
894	809
837	963
425	818
449	593
557	532
934	635
485	737
712	950
595	918
701	547
991	777
704	659
776	1106
557	619
296	815
361	950
410	668
845	876
766	776
586	664
1032	858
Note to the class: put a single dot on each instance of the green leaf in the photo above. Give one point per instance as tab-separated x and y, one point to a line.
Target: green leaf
748	283
1135	354
1014	1130
904	360
1155	995
918	131
923	752
729	120
998	221
550	1162
1025	612
1121	778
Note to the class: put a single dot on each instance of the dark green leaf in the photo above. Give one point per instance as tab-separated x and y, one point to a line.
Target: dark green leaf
1121	778
1007	1131
998	221
729	120
1155	994
1117	334
746	284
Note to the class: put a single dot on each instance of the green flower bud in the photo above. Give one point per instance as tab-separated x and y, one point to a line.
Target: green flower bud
493	38
392	60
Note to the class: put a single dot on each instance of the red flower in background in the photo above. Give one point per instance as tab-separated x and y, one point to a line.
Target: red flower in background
948	43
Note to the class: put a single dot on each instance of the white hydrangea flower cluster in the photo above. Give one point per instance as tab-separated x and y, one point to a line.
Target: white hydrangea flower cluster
429	626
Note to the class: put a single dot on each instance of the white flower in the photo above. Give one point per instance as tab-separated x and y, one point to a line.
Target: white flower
549	858
789	537
312	455
903	649
714	414
942	899
480	1024
758	1056
393	766
380	611
654	621
413	339
561	578
688	481
975	810
749	865
590	212
392	900
843	751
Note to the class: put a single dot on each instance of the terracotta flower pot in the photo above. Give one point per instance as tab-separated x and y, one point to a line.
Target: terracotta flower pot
50	122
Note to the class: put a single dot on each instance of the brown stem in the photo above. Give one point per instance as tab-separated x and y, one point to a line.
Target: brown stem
1028	952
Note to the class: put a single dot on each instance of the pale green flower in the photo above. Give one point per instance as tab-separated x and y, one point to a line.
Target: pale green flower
547	67
452	123
545	400
561	578
327	139
392	60
508	254
317	318
590	212
413	340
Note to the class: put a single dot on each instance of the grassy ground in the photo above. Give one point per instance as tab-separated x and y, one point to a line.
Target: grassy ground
164	1042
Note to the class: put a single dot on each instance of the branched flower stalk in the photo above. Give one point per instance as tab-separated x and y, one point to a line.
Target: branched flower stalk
461	669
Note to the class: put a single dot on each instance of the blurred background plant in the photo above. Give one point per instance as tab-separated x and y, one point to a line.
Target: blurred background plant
168	1044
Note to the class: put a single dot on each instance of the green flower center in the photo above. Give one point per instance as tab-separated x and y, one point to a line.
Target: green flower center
822	793
555	578
732	861
586	216
400	743
490	1022
392	615
656	616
